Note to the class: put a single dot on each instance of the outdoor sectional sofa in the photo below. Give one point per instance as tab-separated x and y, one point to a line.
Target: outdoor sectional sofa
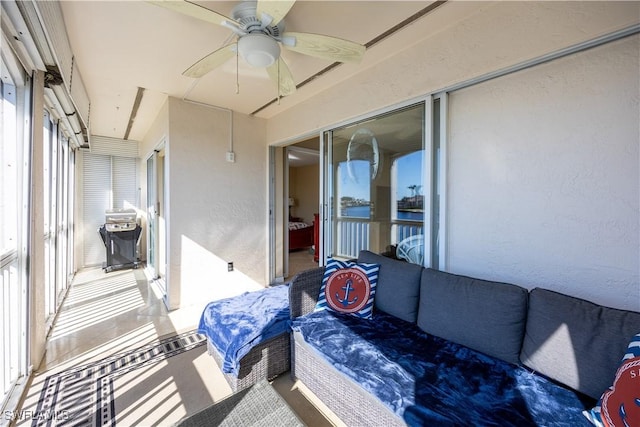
443	350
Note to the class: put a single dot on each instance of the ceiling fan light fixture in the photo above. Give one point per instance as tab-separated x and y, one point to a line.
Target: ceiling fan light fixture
259	50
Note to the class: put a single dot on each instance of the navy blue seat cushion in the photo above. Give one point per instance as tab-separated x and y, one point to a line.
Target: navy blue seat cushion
575	341
486	316
426	380
398	286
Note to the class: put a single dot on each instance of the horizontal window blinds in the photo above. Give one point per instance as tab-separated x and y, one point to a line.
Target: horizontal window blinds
113	146
96	199
125	191
109	182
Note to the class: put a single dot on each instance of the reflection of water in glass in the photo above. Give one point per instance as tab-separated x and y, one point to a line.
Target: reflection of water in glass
410	215
356	212
364	212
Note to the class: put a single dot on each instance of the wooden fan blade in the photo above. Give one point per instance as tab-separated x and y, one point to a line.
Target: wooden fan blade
277	9
193	10
211	61
281	76
326	47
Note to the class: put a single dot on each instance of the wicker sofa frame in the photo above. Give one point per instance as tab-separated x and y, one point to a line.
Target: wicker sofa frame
265	361
340	394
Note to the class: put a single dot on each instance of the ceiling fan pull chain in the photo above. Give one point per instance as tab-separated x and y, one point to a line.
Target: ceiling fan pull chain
279	82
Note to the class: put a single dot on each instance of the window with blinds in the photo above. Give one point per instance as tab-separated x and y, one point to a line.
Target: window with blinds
109	182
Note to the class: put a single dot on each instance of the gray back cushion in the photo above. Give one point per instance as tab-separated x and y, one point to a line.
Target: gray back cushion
398	286
576	342
486	316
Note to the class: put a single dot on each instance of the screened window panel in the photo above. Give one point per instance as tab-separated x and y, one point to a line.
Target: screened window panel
15	147
9	171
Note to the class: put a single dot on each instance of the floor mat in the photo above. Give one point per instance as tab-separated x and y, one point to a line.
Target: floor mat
87	395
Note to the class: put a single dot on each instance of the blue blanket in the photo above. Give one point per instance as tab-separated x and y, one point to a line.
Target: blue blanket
235	325
426	380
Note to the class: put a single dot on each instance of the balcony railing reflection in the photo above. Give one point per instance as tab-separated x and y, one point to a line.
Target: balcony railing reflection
355	234
352	236
403	229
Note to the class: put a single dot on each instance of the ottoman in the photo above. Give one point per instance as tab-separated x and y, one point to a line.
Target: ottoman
248	335
264	361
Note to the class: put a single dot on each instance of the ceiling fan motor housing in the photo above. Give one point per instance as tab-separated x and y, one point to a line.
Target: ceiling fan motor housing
245	14
258	49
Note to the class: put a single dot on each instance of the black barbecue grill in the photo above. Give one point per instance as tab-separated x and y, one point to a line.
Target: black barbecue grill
120	234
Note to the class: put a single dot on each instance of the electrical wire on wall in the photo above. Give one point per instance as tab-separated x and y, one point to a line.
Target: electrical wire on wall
230	154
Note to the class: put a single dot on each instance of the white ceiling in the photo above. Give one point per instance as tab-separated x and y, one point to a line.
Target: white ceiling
121	46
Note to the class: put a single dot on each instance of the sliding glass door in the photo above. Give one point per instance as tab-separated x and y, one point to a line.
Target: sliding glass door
151	216
376	177
156	238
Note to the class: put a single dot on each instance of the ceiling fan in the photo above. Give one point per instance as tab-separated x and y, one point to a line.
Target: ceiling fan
259	26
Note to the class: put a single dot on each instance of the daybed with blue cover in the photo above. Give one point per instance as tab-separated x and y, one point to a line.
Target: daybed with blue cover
448	350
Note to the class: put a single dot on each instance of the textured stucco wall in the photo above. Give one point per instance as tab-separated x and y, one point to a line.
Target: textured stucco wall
544	178
217	210
458	42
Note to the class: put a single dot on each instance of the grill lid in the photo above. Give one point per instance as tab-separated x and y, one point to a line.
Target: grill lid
120	216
